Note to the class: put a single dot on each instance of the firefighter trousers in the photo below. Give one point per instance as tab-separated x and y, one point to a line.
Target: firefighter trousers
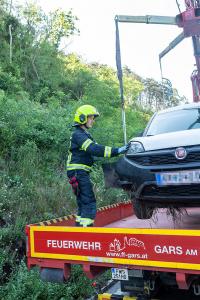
86	200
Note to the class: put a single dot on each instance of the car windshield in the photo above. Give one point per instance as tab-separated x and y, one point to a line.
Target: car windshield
184	119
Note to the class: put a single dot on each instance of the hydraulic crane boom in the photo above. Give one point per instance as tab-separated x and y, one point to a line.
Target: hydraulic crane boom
148	19
189	21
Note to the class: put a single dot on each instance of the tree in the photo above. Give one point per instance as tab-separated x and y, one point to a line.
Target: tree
158	95
36	60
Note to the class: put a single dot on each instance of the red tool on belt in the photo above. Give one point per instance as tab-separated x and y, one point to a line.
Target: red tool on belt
74	183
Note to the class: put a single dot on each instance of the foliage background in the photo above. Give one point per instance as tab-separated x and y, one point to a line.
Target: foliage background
40	89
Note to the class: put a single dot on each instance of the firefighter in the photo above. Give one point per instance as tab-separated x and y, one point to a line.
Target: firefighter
80	160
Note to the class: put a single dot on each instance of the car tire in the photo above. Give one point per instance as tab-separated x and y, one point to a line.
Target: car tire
142	211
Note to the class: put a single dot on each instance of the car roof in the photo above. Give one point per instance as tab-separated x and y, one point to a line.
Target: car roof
180	107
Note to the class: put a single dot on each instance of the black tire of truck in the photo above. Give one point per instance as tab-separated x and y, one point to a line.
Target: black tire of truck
142	211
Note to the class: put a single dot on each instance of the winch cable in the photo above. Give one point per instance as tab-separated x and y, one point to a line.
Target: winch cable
120	78
162	84
178	5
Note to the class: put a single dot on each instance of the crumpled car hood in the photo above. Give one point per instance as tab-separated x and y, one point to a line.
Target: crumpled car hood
170	140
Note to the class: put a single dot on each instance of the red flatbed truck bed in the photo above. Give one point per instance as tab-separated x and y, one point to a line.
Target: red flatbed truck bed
120	240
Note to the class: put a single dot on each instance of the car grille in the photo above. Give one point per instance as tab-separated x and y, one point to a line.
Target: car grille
171	191
165	159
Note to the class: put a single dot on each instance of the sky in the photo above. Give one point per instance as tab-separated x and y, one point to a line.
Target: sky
140	43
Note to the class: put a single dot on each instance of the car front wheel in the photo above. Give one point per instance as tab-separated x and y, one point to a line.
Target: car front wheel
142	211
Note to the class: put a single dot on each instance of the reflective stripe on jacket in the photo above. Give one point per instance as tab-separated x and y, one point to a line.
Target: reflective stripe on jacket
83	148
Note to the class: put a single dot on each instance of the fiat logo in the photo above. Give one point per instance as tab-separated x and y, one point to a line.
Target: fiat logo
180	153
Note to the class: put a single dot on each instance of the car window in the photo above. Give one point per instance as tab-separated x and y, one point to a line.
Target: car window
184	119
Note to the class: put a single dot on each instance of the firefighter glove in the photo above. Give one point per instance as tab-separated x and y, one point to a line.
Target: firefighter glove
123	149
74	184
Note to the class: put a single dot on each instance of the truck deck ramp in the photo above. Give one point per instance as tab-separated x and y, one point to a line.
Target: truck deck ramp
187	219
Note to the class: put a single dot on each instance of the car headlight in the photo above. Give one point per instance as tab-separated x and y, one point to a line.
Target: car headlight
135	147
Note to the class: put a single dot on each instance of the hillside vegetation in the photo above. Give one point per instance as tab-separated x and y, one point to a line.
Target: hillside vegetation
40	88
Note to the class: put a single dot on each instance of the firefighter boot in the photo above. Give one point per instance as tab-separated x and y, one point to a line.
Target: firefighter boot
86	222
77	221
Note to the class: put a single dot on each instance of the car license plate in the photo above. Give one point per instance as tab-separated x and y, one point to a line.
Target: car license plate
178	177
119	274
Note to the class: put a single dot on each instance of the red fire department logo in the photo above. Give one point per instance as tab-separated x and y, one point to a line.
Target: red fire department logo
180	153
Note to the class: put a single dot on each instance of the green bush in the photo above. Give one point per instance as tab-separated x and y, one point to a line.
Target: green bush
21	286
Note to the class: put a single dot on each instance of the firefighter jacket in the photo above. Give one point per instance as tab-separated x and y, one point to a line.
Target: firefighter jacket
83	148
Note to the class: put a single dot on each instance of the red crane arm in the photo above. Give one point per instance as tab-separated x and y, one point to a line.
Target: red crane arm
192	4
189	20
